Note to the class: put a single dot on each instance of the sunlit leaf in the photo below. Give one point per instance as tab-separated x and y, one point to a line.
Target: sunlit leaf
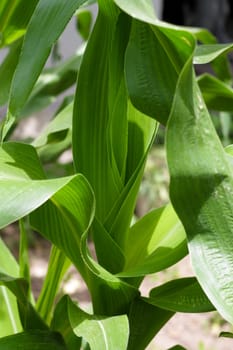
201	191
154	243
206	53
102	333
46	25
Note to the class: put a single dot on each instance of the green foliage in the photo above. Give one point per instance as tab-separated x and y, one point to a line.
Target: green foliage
133	73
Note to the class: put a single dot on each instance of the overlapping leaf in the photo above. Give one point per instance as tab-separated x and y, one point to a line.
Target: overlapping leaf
56	137
46	25
33	339
61	323
181	295
14	18
8	304
154	318
154	243
207	53
155	53
201	180
201	191
7	69
19	287
217	94
92	121
22	182
102	333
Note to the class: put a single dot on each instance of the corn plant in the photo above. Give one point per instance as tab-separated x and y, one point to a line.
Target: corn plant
135	72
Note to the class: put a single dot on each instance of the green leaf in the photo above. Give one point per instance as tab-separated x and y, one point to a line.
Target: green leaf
56	137
226	335
52	82
143	10
37	339
61	323
57	266
10	322
181	295
84	21
20	288
177	347
145	321
47	23
72	203
201	191
66	217
24	263
155	54
22	184
217	95
202	35
8	264
103	285
102	160
7	69
141	134
217	55
104	244
154	243
207	53
14	18
101	333
62	122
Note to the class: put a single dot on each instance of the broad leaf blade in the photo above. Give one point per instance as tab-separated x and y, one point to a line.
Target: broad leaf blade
56	137
72	210
217	95
20	288
61	323
207	53
97	159
10	322
14	18
39	340
141	134
201	172
181	295
102	333
155	53
47	23
22	184
7	69
142	332
118	295
52	82
155	242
